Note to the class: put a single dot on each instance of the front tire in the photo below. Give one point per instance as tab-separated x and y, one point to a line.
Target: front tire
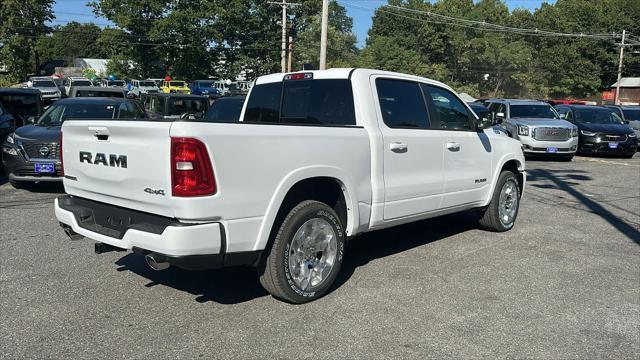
306	254
502	211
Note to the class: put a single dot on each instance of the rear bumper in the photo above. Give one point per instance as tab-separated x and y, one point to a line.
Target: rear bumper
189	246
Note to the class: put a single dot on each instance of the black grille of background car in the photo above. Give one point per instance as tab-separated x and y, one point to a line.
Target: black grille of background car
551	134
620	138
33	150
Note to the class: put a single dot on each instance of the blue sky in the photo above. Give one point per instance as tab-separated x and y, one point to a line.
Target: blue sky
360	10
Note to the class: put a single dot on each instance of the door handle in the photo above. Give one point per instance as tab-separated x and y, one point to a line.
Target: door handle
453	146
398	147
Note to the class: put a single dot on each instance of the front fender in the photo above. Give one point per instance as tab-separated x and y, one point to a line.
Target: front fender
518	157
295	177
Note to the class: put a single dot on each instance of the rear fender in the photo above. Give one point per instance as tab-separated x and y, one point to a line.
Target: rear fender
295	177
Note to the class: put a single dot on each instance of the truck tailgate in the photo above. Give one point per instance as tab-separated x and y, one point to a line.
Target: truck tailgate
124	163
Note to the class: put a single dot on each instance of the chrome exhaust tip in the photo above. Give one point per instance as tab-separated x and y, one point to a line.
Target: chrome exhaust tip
156	262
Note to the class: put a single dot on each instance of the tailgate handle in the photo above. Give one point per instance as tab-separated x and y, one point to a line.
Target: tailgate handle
100	132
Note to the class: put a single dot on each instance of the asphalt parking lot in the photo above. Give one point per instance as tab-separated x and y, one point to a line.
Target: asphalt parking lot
564	283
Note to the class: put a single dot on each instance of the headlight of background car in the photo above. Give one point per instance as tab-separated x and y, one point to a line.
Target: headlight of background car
523	130
574	132
631	135
587	133
10	139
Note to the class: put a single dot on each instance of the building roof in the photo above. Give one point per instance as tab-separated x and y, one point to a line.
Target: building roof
628	82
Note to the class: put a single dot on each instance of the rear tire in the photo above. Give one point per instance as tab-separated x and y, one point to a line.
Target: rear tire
502	211
306	254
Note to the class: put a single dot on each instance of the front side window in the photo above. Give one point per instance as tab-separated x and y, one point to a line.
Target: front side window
450	111
402	104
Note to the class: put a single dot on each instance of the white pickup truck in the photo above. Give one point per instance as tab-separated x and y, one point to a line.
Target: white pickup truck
317	157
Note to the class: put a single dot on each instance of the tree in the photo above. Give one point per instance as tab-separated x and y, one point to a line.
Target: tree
341	50
73	40
23	23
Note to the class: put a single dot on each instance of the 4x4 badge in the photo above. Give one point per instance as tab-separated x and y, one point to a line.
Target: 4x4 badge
154	191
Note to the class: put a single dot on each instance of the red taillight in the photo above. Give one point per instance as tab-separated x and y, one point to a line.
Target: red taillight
191	170
60	151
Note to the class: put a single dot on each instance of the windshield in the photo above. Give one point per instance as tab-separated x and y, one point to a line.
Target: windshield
597	116
182	106
176	83
21	105
532	111
115	83
205	83
43	83
57	114
225	110
147	83
81	83
631	114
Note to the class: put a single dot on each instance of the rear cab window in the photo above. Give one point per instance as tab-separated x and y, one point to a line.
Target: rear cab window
327	102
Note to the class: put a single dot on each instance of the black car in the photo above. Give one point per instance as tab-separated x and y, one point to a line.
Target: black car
175	105
25	105
601	130
225	109
32	152
630	114
7	123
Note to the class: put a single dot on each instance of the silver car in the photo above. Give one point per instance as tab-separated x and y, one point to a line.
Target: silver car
537	126
48	89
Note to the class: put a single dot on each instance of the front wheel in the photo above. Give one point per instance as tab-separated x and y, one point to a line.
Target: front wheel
502	211
306	254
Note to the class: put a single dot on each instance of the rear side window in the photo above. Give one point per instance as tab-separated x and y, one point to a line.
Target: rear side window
264	104
402	104
451	112
307	102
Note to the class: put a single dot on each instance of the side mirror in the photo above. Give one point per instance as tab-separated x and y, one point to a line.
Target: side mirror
563	116
499	118
131	95
30	120
485	120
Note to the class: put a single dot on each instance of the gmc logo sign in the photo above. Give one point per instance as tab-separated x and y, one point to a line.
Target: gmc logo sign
102	159
553	132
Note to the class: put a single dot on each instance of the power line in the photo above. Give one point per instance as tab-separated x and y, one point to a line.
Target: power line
473	24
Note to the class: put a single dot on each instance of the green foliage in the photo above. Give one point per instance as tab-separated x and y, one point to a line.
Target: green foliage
22	22
516	65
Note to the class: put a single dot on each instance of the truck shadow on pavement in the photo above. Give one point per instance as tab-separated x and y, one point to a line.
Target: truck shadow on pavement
240	284
562	180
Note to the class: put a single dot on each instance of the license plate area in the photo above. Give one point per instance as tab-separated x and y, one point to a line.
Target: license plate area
613	145
45	168
552	149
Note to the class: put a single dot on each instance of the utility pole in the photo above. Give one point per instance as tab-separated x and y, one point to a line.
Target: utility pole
323	34
290	53
283	46
617	98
